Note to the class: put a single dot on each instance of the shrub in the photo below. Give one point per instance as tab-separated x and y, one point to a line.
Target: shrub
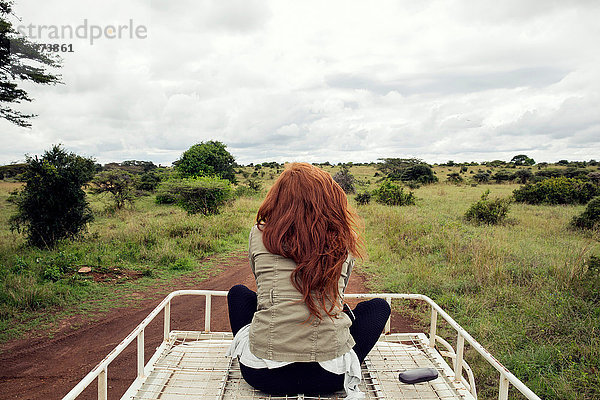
523	175
363	198
196	195
52	206
407	169
164	196
148	181
393	195
590	217
557	191
481	177
245	191
594	177
454	177
345	179
502	176
486	211
254	184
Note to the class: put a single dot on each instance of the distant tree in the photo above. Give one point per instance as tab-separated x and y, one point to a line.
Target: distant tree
563	162
345	179
116	182
407	169
522	159
594	177
496	163
454	177
144	166
206	159
148	181
52	205
523	175
20	61
481	177
502	176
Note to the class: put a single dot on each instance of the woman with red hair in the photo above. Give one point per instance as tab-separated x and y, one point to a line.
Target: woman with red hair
294	335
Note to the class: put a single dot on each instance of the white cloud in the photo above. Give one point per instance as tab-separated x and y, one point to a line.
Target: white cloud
316	81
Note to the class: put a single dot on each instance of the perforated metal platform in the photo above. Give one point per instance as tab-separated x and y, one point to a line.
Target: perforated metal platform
194	365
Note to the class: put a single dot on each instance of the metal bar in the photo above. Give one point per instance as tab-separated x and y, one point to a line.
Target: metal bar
503	391
388	324
458	361
103	384
471	379
433	327
207	307
140	354
167	322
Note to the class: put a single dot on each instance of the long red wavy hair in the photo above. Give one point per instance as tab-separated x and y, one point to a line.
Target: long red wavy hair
306	217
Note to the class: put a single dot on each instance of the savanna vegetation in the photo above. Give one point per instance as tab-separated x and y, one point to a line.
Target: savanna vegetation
522	277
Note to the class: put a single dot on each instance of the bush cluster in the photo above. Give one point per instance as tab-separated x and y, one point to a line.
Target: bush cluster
590	218
454	177
363	198
559	190
407	170
345	179
393	195
203	195
486	211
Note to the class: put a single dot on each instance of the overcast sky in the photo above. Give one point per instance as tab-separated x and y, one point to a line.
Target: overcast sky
320	80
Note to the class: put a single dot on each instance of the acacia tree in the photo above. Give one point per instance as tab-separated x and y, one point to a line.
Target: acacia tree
407	170
522	159
52	204
20	60
117	182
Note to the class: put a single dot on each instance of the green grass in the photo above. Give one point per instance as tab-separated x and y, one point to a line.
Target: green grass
516	287
521	288
159	240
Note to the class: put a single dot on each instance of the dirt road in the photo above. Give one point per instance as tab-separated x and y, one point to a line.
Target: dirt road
45	368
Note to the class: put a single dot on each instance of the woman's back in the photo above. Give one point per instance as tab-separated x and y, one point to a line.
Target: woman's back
282	329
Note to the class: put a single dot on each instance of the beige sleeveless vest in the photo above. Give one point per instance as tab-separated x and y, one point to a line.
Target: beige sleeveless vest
278	331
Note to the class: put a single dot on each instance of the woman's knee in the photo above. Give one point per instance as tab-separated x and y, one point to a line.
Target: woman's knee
238	290
379	306
382	306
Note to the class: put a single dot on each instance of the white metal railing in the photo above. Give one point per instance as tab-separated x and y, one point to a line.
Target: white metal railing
100	371
506	377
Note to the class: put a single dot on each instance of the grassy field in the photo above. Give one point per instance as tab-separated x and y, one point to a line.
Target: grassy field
521	289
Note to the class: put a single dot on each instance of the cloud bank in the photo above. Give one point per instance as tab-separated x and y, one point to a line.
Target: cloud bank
340	81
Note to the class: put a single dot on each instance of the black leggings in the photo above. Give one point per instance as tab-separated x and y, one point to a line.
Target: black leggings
306	377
